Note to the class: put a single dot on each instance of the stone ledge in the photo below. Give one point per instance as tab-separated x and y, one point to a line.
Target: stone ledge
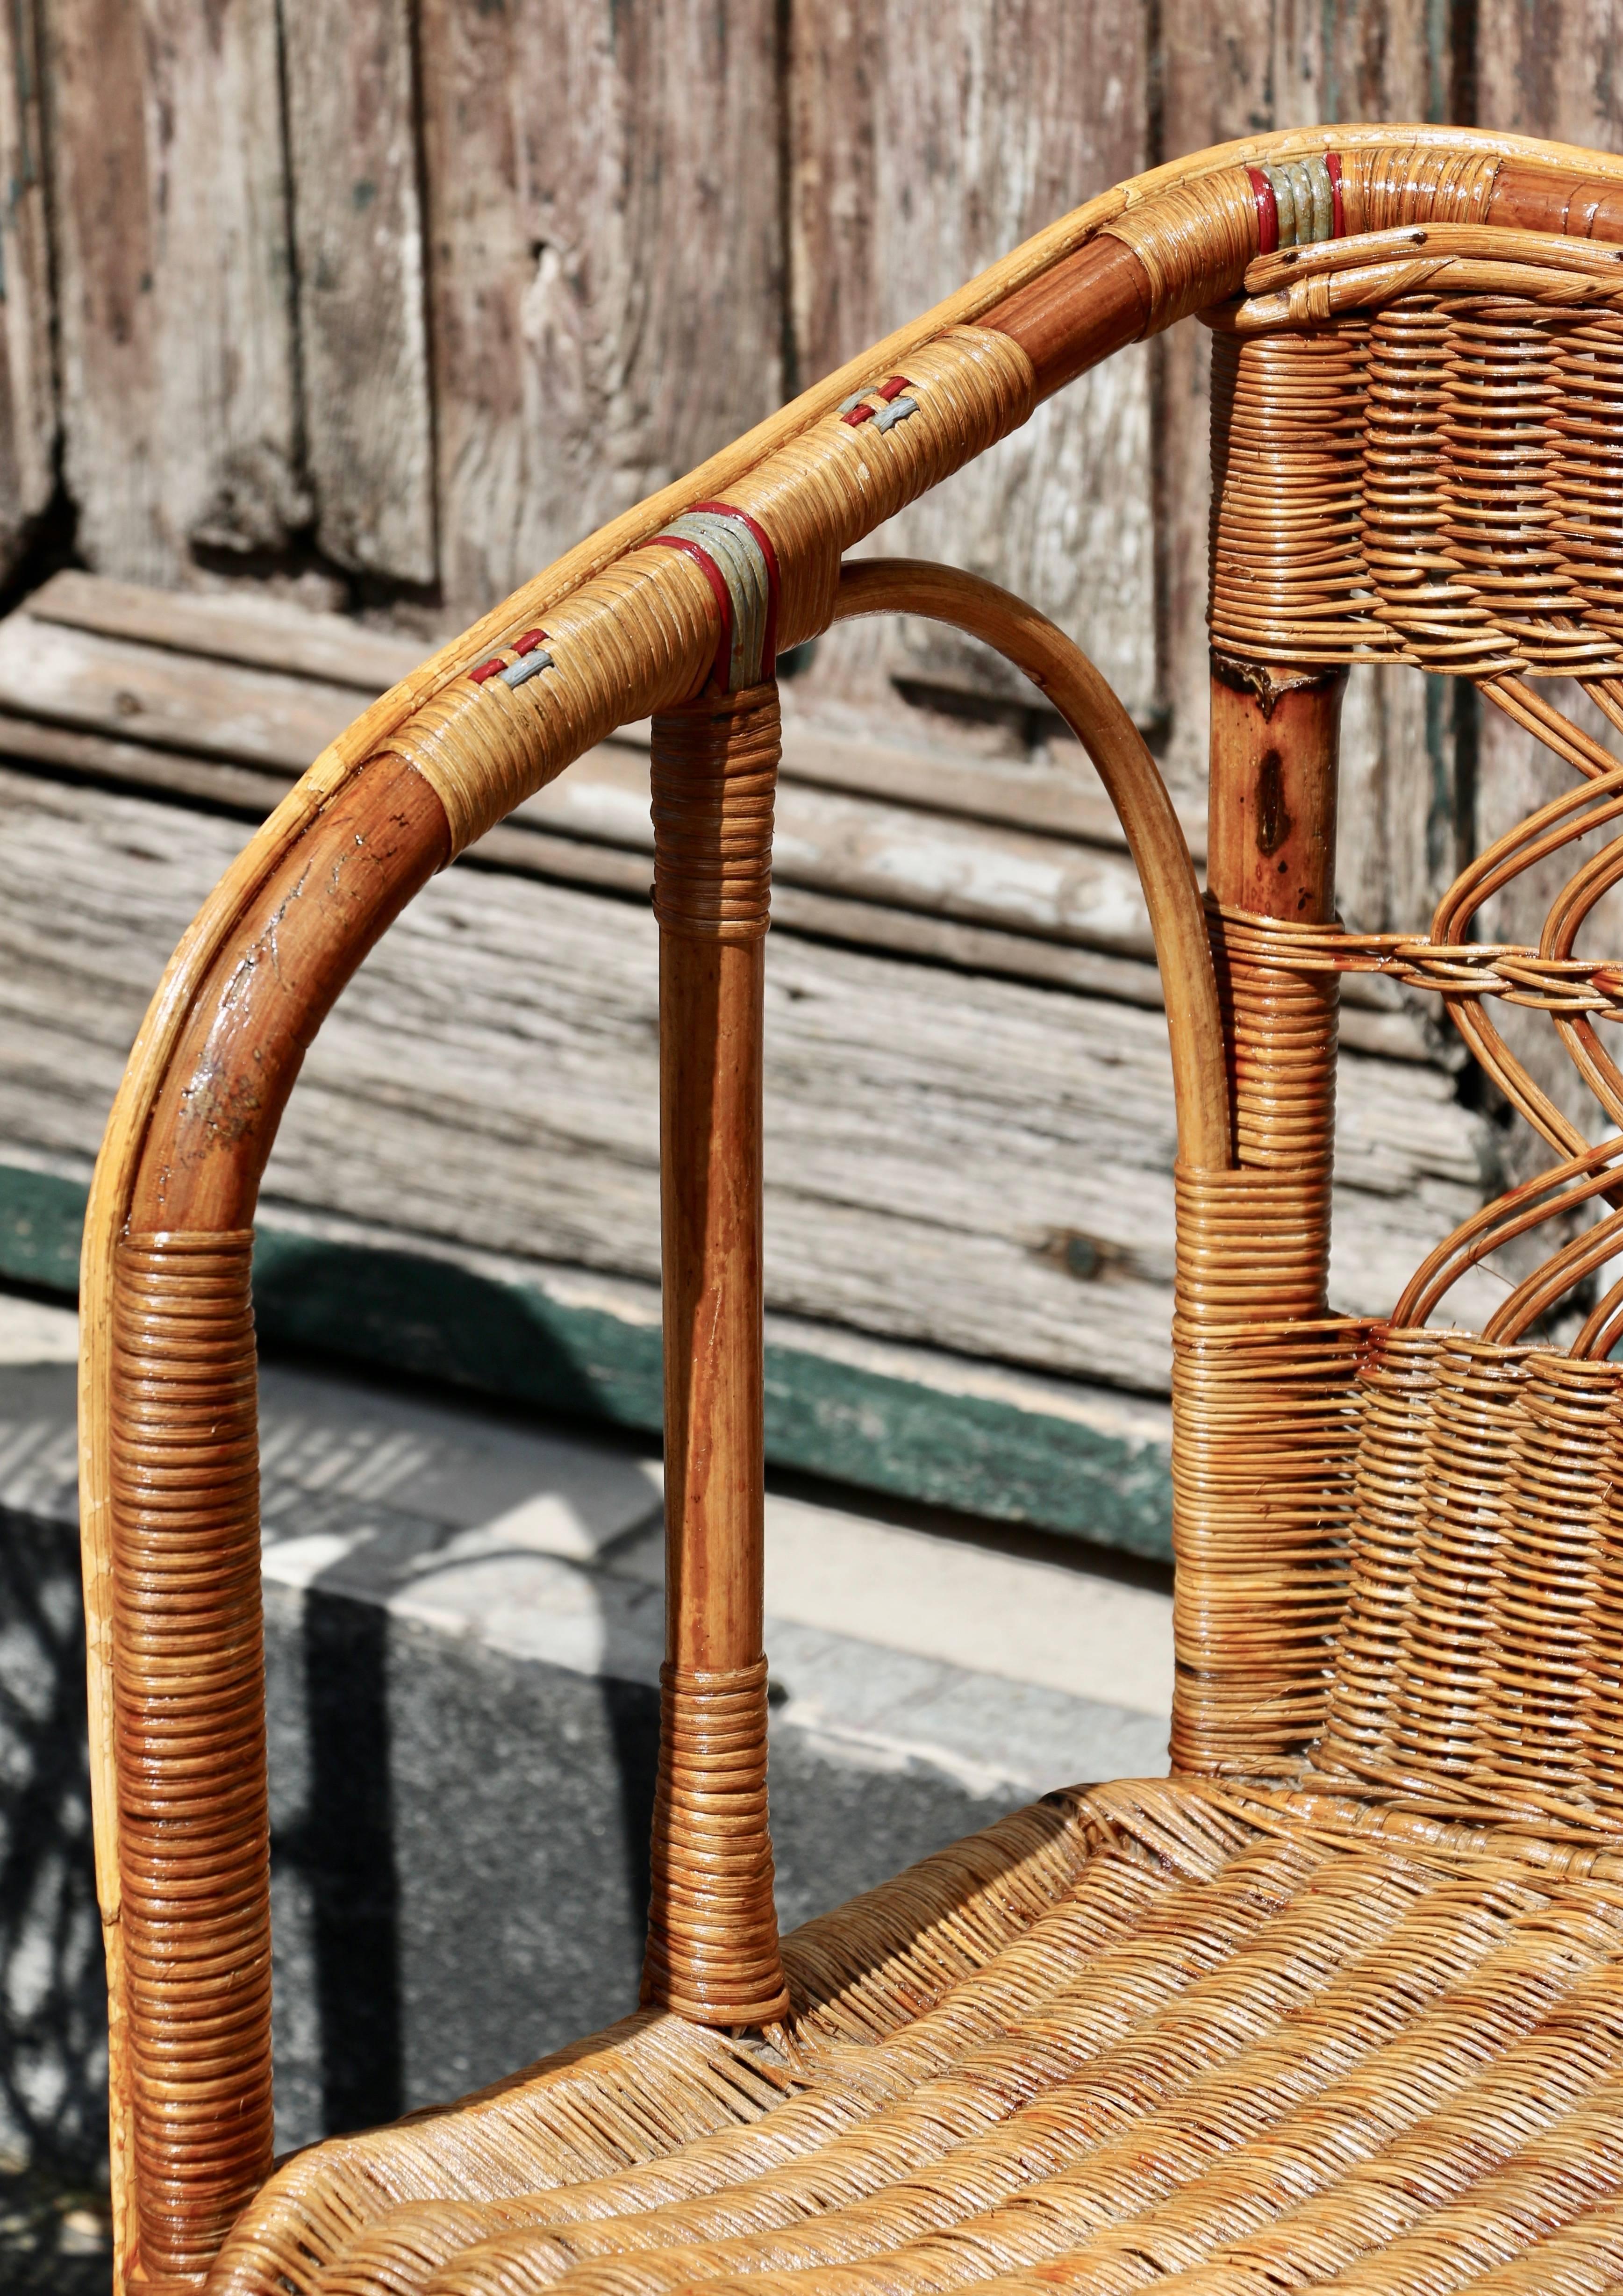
464	1629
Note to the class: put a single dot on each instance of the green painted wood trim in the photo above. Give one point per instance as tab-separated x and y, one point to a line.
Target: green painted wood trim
439	1320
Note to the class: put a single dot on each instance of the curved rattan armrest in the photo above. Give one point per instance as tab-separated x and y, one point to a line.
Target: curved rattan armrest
619	627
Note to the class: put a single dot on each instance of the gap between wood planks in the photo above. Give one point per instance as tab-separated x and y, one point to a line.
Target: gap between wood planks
1013	869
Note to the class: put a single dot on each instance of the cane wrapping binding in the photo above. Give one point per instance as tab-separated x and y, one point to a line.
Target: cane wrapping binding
1337	2002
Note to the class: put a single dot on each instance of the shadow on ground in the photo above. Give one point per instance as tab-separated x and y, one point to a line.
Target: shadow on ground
54	2237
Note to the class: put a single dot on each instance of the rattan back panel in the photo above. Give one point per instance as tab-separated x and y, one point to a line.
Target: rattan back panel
1438	482
1418	458
1478	1657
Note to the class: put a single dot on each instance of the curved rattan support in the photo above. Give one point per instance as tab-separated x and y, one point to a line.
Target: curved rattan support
1547	1195
624	627
1537	1294
1059	667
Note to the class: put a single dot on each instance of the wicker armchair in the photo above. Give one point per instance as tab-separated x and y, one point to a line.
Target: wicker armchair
1340	2002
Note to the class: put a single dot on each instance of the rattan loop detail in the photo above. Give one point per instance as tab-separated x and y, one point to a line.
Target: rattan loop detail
1511	971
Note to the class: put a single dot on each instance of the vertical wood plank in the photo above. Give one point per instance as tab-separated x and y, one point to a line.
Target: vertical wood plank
1249	67
1216	80
177	343
358	240
1401	789
27	397
1552	68
606	226
924	143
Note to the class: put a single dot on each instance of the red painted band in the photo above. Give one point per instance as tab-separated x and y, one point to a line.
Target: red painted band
764	544
1338	214
893	387
863	414
486	670
701	558
530	640
1267	212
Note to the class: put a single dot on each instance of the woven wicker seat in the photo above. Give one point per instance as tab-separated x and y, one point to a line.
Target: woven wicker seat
1340	2003
1146	2033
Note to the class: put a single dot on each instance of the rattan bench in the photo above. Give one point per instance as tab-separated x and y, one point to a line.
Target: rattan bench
1340	2002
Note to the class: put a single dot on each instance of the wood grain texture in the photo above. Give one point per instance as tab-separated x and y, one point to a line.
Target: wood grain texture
728	466
1062	794
28	390
1079	889
1404	796
607	275
924	142
601	810
359	246
239	625
1552	67
120	687
881	844
1257	65
1272	820
975	1163
179	412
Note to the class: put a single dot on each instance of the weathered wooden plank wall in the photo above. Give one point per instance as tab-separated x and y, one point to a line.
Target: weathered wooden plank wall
180	407
975	1163
359	264
605	222
28	402
419	291
924	142
388	302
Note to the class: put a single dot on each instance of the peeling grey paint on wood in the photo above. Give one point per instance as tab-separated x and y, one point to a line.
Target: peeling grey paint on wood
169	198
969	1163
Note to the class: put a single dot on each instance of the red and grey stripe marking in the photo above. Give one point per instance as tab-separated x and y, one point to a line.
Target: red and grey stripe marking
897	403
737	559
531	657
1299	202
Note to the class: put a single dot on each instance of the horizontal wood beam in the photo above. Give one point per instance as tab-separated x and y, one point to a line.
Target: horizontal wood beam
1092	1464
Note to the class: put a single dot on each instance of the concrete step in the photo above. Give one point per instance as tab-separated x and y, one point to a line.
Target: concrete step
464	1616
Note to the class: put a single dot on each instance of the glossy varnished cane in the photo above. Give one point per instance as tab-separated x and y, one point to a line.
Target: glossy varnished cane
712	1926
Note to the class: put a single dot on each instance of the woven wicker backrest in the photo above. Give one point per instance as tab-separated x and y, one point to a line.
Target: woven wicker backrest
1395	1551
1418	458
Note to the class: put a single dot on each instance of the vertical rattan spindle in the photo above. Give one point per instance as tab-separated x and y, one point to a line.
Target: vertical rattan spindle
1254	1242
712	1928
1271	852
